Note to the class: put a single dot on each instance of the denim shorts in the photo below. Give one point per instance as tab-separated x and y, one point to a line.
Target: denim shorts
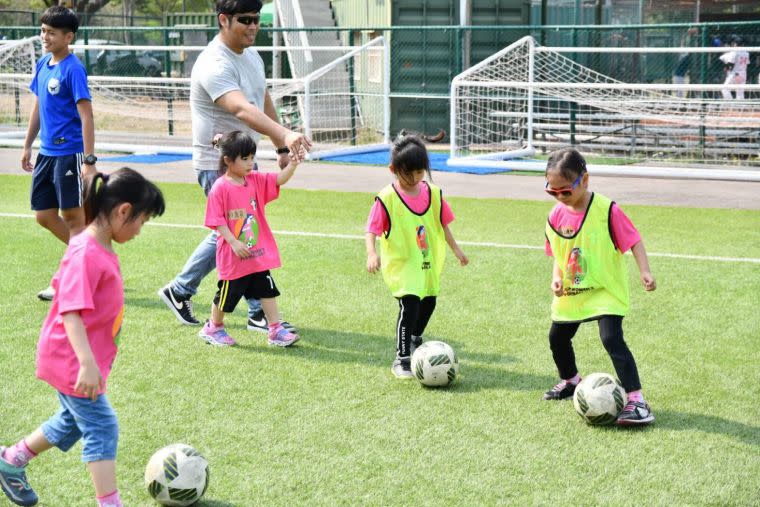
92	421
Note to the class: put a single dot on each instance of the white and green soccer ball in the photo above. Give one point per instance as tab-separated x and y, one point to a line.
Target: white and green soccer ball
177	475
599	398
435	364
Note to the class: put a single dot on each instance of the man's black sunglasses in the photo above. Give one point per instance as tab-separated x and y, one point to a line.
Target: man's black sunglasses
247	20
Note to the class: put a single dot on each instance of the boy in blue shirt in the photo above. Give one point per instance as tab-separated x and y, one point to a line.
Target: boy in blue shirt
62	115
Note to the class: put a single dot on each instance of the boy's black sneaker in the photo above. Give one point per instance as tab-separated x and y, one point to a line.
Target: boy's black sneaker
258	322
181	307
402	368
561	391
14	484
635	413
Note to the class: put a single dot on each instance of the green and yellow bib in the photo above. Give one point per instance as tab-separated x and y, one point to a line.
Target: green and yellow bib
413	249
594	272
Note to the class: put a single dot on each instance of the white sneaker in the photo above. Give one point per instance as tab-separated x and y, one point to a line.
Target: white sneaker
46	294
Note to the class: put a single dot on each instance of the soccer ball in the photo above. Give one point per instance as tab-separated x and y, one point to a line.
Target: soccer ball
435	364
599	399
177	475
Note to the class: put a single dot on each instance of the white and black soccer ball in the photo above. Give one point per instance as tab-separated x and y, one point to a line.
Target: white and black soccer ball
599	398
177	475
435	364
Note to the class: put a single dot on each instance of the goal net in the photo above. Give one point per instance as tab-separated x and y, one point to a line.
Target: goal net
341	105
526	100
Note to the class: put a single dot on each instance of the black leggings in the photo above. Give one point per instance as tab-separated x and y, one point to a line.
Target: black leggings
611	333
413	316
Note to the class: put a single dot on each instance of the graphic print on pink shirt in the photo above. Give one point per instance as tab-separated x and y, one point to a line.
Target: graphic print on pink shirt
247	231
242	209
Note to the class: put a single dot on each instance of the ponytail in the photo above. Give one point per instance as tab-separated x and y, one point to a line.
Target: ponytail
104	192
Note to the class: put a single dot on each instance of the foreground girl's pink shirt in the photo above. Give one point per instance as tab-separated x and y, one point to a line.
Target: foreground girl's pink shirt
89	282
241	209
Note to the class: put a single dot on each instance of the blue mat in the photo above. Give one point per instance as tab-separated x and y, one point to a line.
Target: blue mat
437	162
149	158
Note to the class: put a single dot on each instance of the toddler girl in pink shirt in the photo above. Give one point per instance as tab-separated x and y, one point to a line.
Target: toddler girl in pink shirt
79	338
245	250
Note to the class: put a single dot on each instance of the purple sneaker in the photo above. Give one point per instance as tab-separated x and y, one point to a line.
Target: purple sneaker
216	336
282	337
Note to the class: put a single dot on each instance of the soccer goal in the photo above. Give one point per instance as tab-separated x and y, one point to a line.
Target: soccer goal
342	105
527	100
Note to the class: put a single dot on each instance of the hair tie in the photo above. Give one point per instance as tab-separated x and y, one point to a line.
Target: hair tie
215	141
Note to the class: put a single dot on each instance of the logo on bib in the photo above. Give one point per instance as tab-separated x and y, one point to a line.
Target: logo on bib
575	269
53	86
422	240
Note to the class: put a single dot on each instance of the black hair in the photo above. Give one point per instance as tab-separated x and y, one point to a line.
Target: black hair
104	192
232	7
233	145
568	162
59	16
408	154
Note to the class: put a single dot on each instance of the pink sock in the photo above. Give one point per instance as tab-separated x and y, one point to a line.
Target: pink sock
111	500
18	455
636	396
574	380
275	325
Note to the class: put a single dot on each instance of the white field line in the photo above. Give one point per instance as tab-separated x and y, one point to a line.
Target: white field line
748	260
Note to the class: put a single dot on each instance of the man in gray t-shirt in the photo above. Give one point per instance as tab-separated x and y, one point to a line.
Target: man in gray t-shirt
228	92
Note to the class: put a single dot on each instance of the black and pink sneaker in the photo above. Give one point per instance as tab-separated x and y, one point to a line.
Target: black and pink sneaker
635	413
561	391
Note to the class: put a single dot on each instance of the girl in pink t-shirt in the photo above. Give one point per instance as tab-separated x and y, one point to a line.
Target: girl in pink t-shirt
412	219
245	250
589	279
79	339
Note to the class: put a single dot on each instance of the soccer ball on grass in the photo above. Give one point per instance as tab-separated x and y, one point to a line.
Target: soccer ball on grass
177	475
435	364
599	399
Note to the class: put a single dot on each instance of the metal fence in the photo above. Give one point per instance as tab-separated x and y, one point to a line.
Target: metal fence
424	59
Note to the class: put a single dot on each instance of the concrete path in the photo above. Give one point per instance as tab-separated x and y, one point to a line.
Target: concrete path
359	178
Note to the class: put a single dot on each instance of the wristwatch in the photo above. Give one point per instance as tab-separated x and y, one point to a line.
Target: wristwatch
90	159
283	150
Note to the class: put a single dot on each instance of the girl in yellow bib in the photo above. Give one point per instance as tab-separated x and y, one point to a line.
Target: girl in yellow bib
587	234
412	221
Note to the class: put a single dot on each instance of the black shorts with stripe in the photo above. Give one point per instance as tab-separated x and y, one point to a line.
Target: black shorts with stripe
256	285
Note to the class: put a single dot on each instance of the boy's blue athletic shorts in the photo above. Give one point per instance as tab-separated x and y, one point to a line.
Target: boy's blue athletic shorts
57	182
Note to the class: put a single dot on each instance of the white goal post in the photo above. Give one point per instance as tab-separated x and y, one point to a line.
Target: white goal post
527	100
343	104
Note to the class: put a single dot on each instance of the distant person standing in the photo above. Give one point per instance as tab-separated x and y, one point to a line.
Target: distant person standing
683	66
735	63
227	93
62	116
